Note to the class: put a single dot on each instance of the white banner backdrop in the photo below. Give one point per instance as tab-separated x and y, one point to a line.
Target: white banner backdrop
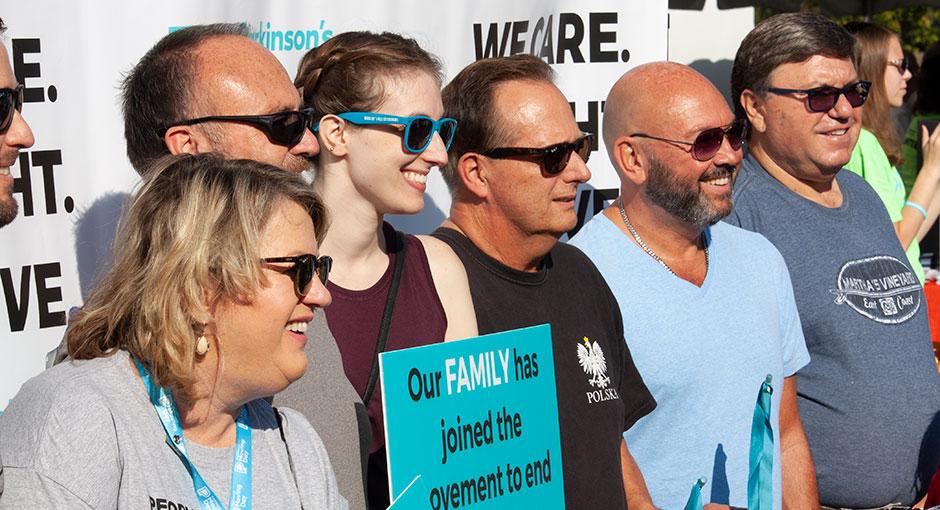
72	56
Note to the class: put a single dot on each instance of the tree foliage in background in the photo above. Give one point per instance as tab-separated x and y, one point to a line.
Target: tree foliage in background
919	26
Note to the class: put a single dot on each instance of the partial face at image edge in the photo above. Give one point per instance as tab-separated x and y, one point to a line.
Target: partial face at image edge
15	137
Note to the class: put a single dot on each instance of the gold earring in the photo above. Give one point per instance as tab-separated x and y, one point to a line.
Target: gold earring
330	148
202	345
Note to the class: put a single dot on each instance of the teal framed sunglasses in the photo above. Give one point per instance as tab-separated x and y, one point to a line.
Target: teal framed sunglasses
419	129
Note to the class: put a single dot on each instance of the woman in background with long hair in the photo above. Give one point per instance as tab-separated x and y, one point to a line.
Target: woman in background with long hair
880	60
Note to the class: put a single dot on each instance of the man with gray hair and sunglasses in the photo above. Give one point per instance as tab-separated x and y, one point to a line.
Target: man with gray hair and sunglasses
674	269
513	172
870	397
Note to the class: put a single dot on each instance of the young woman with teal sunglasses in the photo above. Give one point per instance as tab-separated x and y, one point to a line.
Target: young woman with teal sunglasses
378	119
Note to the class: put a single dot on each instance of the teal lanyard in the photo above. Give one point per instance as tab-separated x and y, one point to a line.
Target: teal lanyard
240	494
761	464
760	479
695	497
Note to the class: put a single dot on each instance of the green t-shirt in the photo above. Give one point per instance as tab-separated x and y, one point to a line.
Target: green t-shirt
871	163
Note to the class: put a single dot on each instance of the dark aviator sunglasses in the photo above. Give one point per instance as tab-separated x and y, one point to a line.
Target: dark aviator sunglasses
11	100
303	268
708	142
823	99
282	128
553	158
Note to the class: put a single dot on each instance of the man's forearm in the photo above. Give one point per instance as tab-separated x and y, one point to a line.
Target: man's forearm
796	462
634	487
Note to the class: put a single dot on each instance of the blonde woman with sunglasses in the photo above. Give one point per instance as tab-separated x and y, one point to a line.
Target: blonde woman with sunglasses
202	315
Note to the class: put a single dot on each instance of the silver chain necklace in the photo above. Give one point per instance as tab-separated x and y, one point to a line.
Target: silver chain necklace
645	247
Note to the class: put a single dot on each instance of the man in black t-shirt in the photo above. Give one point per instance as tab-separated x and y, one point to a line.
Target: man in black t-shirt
513	173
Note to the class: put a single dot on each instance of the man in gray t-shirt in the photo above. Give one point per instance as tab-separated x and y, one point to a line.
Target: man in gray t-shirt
870	397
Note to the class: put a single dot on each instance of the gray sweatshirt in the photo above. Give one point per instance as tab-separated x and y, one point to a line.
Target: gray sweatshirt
84	435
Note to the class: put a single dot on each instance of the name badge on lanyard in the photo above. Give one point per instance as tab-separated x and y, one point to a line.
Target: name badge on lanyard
240	494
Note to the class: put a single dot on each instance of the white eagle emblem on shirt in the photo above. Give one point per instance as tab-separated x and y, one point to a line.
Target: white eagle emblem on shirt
591	358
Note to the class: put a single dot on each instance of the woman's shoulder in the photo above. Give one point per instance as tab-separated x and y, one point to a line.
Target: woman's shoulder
868	143
61	423
71	384
438	252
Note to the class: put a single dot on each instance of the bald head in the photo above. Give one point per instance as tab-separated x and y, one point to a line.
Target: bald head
232	66
156	92
660	95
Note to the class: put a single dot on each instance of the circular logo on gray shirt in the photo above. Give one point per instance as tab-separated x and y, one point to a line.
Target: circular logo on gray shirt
882	288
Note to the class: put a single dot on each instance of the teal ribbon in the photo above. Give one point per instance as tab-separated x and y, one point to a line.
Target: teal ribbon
695	497
760	479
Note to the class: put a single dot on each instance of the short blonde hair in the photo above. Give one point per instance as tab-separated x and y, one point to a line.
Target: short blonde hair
188	239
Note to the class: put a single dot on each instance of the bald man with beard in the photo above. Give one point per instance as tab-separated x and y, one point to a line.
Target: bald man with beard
676	271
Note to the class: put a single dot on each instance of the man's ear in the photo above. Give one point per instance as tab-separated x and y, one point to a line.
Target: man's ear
474	174
755	109
629	161
332	135
186	140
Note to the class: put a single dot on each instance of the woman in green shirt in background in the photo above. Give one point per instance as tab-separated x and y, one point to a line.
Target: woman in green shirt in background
880	60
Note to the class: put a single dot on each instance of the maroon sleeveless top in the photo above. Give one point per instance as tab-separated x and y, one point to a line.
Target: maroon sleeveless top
355	315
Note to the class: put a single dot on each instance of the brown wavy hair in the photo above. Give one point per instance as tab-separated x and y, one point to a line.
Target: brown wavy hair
871	60
189	238
345	73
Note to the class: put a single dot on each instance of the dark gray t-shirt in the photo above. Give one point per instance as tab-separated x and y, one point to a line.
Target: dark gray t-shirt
84	435
870	396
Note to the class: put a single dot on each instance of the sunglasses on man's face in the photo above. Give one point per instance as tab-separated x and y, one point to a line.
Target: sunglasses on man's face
11	100
303	268
823	99
708	142
553	158
419	129
282	128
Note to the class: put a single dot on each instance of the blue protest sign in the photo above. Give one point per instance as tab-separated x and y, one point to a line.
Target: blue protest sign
477	419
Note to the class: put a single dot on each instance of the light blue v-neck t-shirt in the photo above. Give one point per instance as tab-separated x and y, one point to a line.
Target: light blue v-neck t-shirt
703	352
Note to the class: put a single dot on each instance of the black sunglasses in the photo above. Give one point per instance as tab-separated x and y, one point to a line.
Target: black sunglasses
10	100
903	64
553	158
303	268
823	99
708	142
283	128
